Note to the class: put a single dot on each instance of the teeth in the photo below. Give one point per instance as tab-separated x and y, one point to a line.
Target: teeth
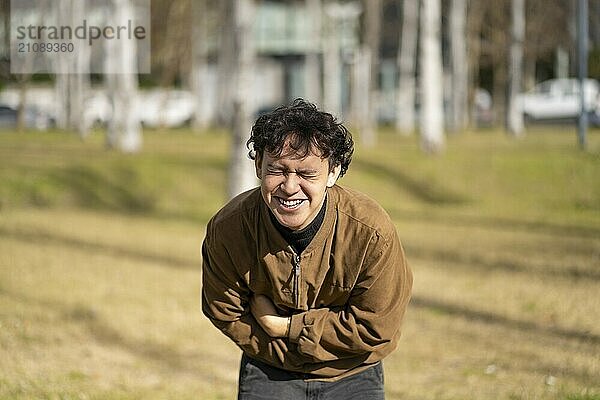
290	203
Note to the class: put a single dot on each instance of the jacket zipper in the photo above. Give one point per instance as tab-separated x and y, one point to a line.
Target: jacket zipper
296	266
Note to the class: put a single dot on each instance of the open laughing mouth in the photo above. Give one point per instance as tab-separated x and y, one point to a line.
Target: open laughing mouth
289	204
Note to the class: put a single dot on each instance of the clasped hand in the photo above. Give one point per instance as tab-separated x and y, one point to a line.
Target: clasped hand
265	313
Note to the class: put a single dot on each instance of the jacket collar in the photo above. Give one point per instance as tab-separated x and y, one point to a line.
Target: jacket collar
325	231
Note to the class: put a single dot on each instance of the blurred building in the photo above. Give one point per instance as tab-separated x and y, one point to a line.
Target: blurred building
286	37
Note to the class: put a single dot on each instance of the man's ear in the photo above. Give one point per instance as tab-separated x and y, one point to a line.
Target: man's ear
333	176
258	166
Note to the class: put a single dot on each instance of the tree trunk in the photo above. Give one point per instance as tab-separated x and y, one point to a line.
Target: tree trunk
124	130
407	65
514	114
22	103
360	88
370	50
5	7
61	87
178	22
475	26
561	63
72	81
529	66
312	64
61	93
459	65
332	71
499	92
79	80
226	63
241	170
431	82
199	69
81	87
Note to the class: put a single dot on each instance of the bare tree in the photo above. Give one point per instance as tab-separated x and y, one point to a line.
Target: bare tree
23	75
5	37
332	64
514	114
61	84
23	80
241	170
313	69
72	82
173	49
490	41
459	66
361	74
541	41
370	53
124	130
407	65
475	14
81	86
494	50
226	62
431	78
172	36
200	59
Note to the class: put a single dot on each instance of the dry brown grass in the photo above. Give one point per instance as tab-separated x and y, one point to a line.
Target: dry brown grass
104	306
94	307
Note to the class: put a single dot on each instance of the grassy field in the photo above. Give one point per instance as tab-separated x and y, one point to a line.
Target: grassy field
100	266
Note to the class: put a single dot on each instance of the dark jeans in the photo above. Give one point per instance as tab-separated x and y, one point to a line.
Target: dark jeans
259	381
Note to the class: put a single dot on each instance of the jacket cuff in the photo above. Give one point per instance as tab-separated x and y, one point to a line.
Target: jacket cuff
296	326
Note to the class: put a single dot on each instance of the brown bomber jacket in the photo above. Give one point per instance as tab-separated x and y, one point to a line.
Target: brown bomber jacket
346	293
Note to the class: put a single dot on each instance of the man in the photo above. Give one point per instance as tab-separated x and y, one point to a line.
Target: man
308	278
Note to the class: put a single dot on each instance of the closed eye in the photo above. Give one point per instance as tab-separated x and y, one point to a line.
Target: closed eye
308	176
276	172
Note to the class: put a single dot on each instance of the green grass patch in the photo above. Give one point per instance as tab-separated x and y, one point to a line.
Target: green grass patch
177	174
542	178
583	396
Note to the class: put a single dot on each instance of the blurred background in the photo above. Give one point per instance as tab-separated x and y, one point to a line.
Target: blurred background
476	126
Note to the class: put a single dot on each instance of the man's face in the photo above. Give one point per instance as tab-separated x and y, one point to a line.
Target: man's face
294	186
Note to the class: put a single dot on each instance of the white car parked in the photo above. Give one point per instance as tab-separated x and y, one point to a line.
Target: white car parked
559	99
154	108
168	108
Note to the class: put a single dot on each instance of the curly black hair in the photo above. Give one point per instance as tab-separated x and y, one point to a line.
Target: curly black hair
307	128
